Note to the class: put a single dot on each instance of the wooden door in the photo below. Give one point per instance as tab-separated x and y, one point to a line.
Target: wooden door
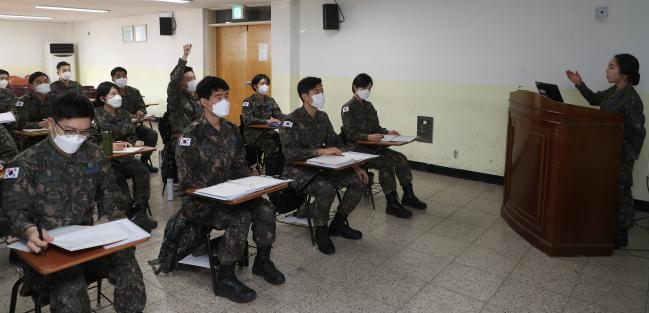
239	56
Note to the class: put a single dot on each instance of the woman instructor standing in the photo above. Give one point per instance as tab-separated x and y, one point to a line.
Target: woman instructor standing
623	71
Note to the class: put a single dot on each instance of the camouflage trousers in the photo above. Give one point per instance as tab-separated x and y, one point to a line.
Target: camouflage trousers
147	135
625	213
67	288
390	163
236	221
323	189
130	168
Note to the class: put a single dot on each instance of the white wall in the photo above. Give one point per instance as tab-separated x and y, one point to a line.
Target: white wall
23	44
457	60
100	49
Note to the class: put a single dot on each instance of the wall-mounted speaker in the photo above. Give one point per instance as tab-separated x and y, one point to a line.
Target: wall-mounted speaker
330	19
166	26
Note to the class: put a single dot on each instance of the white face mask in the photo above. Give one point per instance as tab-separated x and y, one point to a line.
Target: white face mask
363	93
221	108
191	86
3	83
43	88
263	89
318	101
68	143
121	82
66	75
115	101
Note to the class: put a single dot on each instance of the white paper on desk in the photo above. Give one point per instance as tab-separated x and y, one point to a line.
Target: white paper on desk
397	138
98	235
133	231
7	117
22	244
200	261
237	188
128	150
36	130
358	156
331	161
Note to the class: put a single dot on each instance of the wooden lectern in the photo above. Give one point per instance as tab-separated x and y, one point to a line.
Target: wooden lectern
561	175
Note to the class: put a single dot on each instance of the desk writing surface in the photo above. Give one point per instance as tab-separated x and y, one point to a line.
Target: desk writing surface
244	198
144	149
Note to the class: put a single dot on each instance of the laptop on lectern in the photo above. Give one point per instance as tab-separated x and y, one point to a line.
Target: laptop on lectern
549	90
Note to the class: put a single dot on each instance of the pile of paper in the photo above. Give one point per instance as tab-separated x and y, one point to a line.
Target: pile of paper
338	161
128	150
238	188
395	138
7	117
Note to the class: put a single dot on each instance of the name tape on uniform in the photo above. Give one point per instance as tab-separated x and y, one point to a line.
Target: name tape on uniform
345	109
185	142
245	104
19	103
288	124
12	172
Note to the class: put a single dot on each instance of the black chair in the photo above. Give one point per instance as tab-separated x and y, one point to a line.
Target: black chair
254	156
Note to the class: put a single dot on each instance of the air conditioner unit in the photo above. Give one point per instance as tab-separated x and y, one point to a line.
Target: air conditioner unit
59	52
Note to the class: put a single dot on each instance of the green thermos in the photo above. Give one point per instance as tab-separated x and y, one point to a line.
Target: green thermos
107	142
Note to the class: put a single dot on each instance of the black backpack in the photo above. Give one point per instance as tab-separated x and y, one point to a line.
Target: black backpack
164	128
287	200
180	238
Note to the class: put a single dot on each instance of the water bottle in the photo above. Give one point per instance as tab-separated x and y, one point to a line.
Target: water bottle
107	142
170	189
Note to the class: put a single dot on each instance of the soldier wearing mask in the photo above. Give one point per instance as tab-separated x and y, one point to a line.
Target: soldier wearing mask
181	106
57	183
133	103
211	151
260	109
307	133
33	108
109	116
623	72
65	83
6	97
361	122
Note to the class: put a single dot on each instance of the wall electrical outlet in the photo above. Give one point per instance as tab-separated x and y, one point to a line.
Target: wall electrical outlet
425	128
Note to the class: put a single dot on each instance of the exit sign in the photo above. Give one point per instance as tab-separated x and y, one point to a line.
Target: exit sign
238	12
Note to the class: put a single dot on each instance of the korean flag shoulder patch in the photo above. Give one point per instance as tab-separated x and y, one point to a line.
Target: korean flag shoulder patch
246	104
20	103
185	142
345	109
12	172
287	124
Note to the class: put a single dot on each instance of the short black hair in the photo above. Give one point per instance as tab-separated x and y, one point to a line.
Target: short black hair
118	69
188	69
307	84
209	84
102	91
35	75
629	66
362	80
4	72
257	79
62	63
71	105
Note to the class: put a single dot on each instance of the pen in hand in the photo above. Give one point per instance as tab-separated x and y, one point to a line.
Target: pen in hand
39	227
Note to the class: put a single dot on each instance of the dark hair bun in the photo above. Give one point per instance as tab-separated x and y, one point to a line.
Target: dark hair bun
629	66
635	79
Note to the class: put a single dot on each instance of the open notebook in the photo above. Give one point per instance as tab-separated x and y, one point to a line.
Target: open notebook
7	117
128	150
77	237
238	188
336	161
395	138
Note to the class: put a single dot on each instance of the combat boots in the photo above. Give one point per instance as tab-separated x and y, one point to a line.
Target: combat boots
395	208
323	241
137	215
265	268
228	286
410	199
340	227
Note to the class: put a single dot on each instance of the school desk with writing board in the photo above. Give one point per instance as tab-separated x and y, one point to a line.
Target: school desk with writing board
143	150
384	143
243	198
33	133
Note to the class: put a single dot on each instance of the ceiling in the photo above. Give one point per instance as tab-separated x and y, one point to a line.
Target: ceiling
118	8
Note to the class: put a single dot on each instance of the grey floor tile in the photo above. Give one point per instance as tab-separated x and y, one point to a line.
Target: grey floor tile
436	299
438	246
516	296
488	260
553	273
469	281
612	296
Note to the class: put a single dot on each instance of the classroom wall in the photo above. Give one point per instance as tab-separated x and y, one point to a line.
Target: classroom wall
457	61
23	44
100	48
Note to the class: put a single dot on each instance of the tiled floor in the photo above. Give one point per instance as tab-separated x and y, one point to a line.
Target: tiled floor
457	256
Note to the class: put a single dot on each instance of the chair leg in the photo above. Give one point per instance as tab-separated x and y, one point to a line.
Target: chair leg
14	295
37	308
340	199
372	198
308	219
99	294
211	259
245	261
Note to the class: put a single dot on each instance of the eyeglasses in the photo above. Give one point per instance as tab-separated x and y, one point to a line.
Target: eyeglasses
70	132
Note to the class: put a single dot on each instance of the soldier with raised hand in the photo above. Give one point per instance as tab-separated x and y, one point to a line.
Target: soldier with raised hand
133	103
57	183
109	116
209	152
361	122
65	83
307	133
33	108
181	106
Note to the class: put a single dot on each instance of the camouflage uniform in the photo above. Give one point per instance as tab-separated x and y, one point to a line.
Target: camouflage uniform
29	112
8	148
301	136
628	102
257	112
361	120
6	100
60	191
59	88
128	167
182	108
205	157
133	102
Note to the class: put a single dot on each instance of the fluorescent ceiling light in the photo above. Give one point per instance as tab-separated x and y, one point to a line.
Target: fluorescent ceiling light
175	1
47	7
26	17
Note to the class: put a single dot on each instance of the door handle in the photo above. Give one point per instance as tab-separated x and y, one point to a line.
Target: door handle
247	83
